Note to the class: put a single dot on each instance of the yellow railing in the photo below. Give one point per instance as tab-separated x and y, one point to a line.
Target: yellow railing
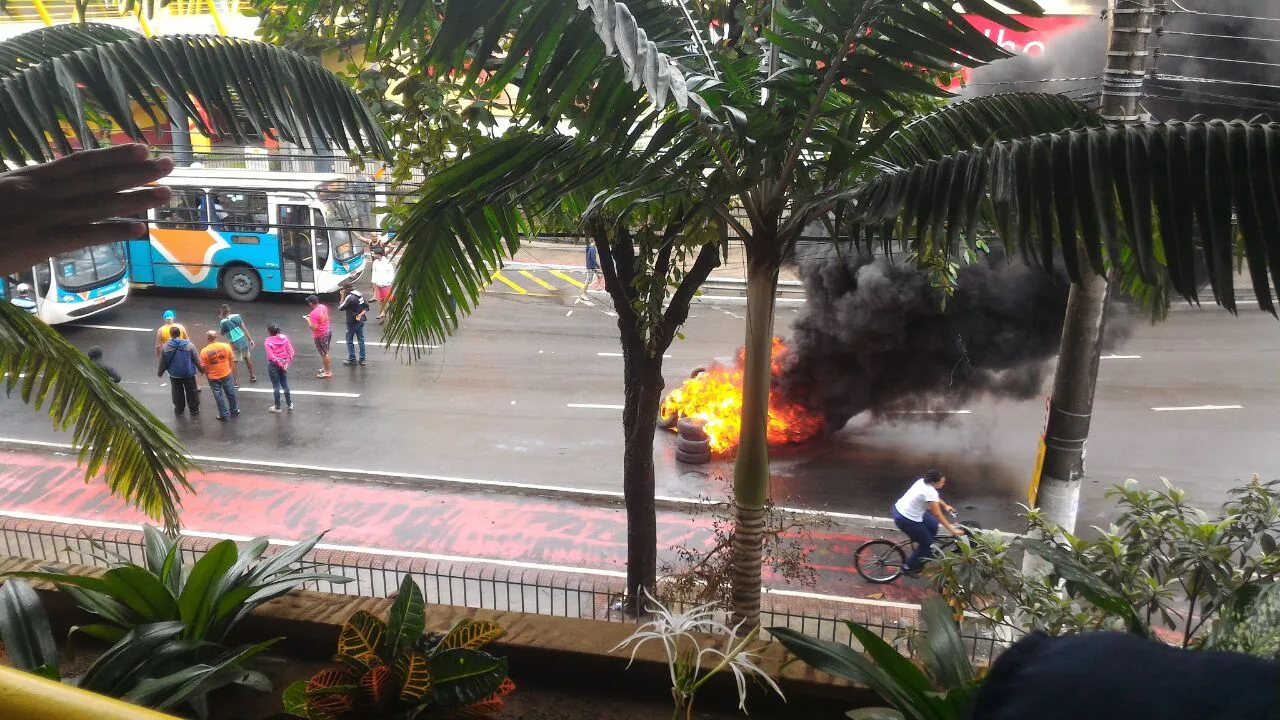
29	697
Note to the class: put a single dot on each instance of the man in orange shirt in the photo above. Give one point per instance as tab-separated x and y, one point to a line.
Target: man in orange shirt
217	358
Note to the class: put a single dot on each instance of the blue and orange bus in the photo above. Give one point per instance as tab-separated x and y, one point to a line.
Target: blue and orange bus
74	285
248	231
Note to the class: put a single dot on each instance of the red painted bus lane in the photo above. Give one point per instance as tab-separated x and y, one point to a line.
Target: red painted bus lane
469	524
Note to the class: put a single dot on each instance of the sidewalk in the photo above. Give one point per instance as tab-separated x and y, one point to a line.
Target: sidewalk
573	255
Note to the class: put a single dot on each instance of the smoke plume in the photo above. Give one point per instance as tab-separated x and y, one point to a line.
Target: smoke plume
1078	53
874	336
1212	58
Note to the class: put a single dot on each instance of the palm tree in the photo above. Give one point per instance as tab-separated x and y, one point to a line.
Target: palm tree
815	132
1138	204
787	118
60	87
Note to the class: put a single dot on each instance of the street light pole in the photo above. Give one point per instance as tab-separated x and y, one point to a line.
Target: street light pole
1071	406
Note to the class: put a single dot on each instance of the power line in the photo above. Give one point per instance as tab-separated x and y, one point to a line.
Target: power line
1184	78
1218	59
1239	100
1221	37
1262	109
1189	11
1041	80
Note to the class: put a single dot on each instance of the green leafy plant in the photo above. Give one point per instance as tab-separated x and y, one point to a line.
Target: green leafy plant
150	665
1163	566
207	598
392	670
686	655
943	690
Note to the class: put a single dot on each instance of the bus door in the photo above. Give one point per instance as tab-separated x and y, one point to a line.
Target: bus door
297	256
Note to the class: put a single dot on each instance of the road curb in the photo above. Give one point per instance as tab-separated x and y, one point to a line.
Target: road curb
609	498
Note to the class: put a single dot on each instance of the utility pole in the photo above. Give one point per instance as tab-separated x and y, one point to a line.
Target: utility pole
1071	406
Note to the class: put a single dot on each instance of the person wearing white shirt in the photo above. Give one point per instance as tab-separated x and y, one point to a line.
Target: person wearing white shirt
918	514
384	274
23	300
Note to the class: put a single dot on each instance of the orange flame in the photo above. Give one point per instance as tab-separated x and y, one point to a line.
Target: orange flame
715	398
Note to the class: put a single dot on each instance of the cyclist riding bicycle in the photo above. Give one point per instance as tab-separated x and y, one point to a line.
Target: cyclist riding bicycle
918	514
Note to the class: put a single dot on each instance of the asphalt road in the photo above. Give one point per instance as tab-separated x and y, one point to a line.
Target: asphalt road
526	393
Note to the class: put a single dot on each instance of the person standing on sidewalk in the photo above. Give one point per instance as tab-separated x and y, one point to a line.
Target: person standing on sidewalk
279	356
354	305
179	359
593	268
237	333
384	275
318	321
219	366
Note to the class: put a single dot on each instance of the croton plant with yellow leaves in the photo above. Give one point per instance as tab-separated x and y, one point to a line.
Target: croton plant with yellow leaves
393	670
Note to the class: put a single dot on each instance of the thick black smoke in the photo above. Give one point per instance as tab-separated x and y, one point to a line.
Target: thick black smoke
1211	60
874	336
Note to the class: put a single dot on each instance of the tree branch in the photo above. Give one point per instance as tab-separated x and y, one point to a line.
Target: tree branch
678	309
811	116
617	283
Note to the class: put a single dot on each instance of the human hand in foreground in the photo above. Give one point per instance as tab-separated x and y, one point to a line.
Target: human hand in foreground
68	204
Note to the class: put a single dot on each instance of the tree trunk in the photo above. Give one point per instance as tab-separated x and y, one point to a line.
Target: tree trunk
751	470
1071	406
643	394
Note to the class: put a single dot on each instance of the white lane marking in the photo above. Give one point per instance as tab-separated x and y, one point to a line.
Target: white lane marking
1198	407
1120	357
934	412
116	327
593	406
322	393
615	354
741	298
371	341
585	492
335	547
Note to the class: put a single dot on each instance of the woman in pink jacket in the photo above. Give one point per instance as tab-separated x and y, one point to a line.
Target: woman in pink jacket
279	355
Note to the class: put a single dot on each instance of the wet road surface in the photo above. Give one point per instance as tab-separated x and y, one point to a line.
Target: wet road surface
528	392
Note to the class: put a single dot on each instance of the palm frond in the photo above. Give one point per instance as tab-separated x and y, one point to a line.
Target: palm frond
1092	191
37	46
552	51
469	218
215	80
139	458
977	122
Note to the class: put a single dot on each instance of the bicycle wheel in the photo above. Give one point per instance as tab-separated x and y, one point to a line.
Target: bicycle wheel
879	561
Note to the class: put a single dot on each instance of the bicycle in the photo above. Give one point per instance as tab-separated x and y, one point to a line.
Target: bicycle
883	561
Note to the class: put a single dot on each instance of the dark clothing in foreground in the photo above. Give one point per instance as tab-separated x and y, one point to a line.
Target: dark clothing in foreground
180	360
95	354
1114	676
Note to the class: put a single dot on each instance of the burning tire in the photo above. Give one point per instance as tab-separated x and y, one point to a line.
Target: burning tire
666	422
693	459
693	447
696	372
691	428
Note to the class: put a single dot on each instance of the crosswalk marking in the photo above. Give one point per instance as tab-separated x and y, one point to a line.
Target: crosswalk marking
503	279
538	280
572	281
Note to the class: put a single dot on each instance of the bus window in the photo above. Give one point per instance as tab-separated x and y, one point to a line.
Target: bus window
90	267
322	238
43	277
184	210
246	211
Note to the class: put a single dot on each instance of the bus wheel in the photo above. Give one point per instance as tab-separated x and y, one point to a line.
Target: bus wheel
241	284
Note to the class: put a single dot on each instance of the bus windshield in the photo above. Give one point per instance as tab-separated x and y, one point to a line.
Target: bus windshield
348	213
89	268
